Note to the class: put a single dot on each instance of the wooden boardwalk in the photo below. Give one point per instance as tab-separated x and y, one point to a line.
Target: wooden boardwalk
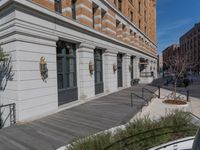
59	129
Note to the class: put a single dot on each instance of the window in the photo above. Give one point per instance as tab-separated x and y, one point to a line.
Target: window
145	15
145	29
117	23
66	64
94	9
73	9
115	3
139	7
123	27
103	13
135	34
139	23
131	13
120	5
131	32
58	6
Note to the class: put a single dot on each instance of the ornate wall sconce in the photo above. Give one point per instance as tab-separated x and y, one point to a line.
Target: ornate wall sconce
43	69
91	67
114	67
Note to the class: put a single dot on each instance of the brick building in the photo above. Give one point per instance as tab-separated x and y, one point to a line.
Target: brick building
72	50
190	44
168	54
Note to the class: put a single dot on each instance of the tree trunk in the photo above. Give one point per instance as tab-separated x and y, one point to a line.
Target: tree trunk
175	83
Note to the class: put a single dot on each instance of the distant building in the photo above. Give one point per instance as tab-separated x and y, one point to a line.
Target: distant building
190	44
168	54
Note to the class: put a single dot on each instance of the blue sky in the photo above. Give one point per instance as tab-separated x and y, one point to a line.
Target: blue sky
174	18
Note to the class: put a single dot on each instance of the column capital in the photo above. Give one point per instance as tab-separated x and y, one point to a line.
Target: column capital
86	45
111	51
136	57
127	56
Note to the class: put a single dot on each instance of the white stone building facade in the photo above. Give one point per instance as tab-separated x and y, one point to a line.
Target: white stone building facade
29	32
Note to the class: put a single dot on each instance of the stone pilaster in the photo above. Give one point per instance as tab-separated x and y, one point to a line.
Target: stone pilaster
126	71
86	80
136	69
110	77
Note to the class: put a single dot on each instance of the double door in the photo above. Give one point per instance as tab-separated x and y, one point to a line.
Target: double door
119	70
98	71
66	72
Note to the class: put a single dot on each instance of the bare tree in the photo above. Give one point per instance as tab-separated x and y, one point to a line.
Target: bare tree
179	63
6	73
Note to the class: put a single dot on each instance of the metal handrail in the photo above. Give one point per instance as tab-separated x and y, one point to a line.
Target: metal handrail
194	115
145	89
140	97
11	115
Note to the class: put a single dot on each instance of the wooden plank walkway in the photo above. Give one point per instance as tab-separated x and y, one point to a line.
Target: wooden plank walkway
59	129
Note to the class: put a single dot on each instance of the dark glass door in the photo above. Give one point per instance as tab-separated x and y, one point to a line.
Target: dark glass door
119	70
98	72
131	68
66	72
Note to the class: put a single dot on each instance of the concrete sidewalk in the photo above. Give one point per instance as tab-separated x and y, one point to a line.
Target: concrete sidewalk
156	109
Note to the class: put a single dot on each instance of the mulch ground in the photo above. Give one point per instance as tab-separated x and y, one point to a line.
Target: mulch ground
175	102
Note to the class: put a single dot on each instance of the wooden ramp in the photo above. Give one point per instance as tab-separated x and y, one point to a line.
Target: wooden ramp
59	129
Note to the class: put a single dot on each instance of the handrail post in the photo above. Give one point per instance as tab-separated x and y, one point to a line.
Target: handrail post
158	91
10	108
14	113
1	124
143	92
131	100
188	94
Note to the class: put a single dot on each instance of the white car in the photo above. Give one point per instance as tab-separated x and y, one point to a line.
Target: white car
190	143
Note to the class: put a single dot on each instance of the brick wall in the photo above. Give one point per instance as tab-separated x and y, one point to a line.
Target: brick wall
95	16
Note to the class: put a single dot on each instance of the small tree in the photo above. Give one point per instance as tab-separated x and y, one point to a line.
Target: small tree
3	55
5	75
179	63
5	69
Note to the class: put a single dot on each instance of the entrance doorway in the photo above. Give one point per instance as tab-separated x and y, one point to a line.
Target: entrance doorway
66	72
98	73
132	68
119	70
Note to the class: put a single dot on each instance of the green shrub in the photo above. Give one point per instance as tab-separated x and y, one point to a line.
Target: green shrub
97	142
141	134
